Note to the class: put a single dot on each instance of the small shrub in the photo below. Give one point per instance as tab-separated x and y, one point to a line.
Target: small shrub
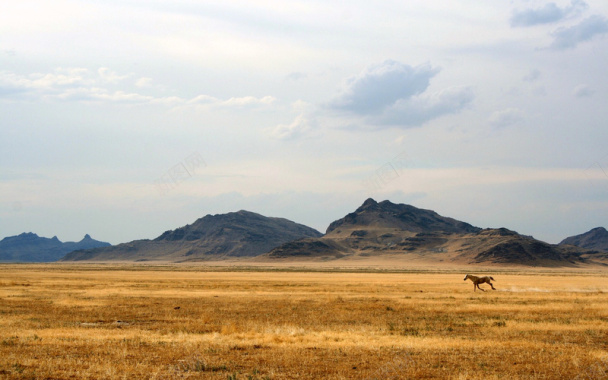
410	331
11	341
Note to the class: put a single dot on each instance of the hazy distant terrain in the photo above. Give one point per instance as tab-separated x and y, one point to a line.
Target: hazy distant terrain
29	247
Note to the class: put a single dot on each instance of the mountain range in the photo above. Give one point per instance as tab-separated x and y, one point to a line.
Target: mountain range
29	247
410	234
374	230
232	235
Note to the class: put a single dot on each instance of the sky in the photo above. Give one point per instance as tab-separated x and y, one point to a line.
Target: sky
124	119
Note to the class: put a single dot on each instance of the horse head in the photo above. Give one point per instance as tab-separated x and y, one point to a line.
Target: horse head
465	277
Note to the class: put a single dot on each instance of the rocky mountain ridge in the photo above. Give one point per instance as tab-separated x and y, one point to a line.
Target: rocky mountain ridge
232	235
375	229
595	239
408	233
29	247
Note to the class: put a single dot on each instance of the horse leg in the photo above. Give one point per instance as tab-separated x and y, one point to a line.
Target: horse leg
493	288
479	288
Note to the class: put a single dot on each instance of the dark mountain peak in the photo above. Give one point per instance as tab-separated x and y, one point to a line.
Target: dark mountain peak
241	215
369	203
400	216
248	215
596	239
86	243
243	221
599	230
244	212
25	236
498	232
28	235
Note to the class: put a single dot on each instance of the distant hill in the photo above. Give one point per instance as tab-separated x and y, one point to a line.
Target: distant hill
29	247
596	239
399	216
231	235
502	246
407	233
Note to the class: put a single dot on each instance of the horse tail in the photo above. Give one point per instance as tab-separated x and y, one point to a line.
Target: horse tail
492	278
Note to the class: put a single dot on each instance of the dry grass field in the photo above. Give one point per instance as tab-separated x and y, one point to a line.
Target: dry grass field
106	322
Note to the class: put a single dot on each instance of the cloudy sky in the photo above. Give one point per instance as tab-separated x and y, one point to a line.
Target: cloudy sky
123	119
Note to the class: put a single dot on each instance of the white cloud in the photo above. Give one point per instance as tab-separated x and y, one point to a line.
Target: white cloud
78	84
246	101
234	102
61	77
381	86
60	83
102	95
418	110
505	118
38	85
43	83
109	75
394	94
569	37
550	13
144	82
300	127
202	100
304	125
390	94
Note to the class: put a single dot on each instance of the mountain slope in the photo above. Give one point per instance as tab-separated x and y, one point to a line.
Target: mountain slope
231	235
29	247
410	234
401	216
596	239
375	229
502	246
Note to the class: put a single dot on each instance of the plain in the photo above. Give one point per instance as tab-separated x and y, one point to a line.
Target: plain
135	321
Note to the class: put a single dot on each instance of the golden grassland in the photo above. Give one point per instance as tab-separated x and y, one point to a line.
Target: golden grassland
105	322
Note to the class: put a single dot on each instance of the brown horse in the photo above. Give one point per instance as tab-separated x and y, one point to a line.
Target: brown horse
480	280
